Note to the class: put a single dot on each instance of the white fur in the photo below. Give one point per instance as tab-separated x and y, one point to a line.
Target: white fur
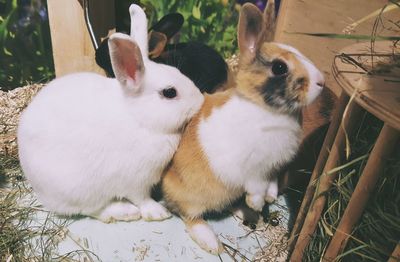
139	28
151	210
204	236
272	190
121	211
244	143
316	77
85	141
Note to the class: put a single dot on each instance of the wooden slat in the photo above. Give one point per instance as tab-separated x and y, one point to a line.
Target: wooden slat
385	144
72	48
348	125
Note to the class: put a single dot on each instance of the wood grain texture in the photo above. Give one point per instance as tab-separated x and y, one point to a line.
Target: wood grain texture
72	48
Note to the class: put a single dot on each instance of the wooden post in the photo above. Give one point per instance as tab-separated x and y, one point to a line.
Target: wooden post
314	214
72	48
395	257
385	144
322	157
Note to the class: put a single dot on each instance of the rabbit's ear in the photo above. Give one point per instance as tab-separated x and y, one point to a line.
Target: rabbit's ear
127	61
139	28
269	22
169	24
157	43
250	29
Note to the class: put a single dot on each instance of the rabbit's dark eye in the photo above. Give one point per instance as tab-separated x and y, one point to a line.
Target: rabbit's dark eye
169	92
279	67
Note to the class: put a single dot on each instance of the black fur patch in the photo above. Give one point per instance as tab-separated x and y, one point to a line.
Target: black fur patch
274	91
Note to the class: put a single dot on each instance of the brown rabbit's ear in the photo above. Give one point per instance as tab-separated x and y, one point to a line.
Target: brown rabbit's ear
157	43
127	61
269	22
250	28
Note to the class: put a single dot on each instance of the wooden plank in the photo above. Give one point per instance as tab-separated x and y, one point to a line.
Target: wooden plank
72	48
384	146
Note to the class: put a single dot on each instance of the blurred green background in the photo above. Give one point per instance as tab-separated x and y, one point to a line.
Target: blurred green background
212	22
25	47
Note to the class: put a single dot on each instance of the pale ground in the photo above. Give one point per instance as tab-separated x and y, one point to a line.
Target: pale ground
167	240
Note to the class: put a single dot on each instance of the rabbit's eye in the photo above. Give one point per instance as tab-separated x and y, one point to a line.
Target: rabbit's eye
279	67
169	92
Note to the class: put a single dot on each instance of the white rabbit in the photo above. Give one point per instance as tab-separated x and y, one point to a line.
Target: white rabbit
96	146
239	138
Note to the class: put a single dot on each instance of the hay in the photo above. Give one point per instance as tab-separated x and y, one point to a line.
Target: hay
376	235
22	236
11	105
27	233
277	250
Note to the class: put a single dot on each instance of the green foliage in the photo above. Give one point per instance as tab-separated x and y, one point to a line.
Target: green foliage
212	22
25	46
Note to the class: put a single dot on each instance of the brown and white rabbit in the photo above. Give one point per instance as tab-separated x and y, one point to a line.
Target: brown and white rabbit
240	137
96	146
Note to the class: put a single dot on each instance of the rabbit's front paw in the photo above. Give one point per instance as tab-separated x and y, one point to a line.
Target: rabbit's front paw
119	211
272	193
153	211
255	201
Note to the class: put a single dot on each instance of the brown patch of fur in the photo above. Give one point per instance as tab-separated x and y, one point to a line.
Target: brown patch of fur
189	186
195	221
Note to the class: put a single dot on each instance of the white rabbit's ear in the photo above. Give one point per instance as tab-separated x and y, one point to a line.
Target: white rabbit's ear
127	61
139	28
250	29
269	22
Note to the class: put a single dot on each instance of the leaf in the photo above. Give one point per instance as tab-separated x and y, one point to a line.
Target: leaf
196	12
